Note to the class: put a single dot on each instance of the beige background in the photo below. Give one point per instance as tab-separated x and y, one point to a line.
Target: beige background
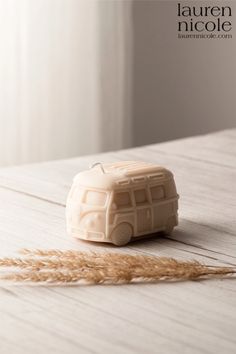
79	77
181	87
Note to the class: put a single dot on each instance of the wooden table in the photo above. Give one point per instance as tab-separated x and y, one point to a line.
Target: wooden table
182	317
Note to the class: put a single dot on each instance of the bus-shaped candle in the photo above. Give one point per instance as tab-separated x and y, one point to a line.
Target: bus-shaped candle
121	201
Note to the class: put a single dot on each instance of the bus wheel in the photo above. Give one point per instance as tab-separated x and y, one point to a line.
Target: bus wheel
122	234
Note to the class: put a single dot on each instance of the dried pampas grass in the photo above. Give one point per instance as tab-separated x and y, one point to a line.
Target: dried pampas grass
55	266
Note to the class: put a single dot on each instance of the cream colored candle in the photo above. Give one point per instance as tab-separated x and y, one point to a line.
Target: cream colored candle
121	201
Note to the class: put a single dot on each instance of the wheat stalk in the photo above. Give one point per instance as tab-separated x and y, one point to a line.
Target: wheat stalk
51	253
57	266
106	258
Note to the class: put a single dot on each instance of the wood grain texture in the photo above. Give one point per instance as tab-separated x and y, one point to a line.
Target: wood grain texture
191	317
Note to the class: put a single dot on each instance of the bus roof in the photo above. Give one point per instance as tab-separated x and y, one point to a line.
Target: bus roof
121	174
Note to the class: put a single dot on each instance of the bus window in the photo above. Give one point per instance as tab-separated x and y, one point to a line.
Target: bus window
122	200
157	193
140	196
95	198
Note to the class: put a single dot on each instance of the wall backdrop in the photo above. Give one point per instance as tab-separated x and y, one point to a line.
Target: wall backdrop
79	77
64	78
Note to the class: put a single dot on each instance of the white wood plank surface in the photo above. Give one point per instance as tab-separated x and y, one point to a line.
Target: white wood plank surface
184	317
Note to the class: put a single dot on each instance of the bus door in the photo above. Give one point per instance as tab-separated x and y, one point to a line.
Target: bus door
143	211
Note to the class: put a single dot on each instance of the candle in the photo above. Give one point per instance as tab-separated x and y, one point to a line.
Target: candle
122	201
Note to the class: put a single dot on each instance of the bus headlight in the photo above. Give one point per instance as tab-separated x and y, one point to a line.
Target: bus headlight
93	221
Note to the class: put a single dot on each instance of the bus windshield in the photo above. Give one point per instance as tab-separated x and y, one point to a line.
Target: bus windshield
96	198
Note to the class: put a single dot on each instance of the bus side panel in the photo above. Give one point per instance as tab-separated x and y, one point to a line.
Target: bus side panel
161	214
